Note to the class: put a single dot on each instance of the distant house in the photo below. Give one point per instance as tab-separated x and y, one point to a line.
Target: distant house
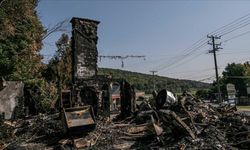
139	93
10	94
115	96
115	92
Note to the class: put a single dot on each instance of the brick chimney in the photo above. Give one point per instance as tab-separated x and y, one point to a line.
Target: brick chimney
84	41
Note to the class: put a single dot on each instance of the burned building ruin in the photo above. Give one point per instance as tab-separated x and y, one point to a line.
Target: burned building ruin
87	85
84	40
84	61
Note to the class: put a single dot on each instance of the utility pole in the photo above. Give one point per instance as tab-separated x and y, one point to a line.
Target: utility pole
215	48
153	73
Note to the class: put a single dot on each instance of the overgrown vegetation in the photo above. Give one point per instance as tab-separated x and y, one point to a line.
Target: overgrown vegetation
237	74
20	40
42	95
21	34
59	67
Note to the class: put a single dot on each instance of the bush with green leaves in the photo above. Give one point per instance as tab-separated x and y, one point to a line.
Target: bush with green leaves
43	94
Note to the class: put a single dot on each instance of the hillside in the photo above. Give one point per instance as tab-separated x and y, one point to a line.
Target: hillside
145	81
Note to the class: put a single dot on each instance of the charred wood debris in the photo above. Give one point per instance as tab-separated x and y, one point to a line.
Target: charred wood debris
187	123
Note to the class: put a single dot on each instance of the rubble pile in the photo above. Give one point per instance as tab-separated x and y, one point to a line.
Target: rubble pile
187	123
36	132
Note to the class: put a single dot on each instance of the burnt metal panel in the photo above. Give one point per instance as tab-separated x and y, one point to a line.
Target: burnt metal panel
79	119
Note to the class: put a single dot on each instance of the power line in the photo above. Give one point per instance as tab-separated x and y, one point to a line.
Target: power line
238	61
196	76
181	62
187	52
181	59
188	60
238	52
234	29
229	24
209	78
234	37
201	73
226	29
195	45
192	77
192	71
239	24
199	76
232	25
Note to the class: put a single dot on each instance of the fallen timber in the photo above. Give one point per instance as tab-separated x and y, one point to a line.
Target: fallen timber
188	123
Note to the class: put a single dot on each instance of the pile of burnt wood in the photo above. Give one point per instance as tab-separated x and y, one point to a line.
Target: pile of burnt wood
187	123
36	132
165	122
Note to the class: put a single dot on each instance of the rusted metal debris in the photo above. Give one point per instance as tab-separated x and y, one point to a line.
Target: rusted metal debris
188	123
78	120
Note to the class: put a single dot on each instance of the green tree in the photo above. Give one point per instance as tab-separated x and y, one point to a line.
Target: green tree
21	34
20	40
232	74
60	66
203	94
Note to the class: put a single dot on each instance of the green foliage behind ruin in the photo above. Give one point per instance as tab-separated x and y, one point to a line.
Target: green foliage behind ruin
21	34
42	94
145	81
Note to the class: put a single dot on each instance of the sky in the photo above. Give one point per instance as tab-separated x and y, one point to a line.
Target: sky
165	31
